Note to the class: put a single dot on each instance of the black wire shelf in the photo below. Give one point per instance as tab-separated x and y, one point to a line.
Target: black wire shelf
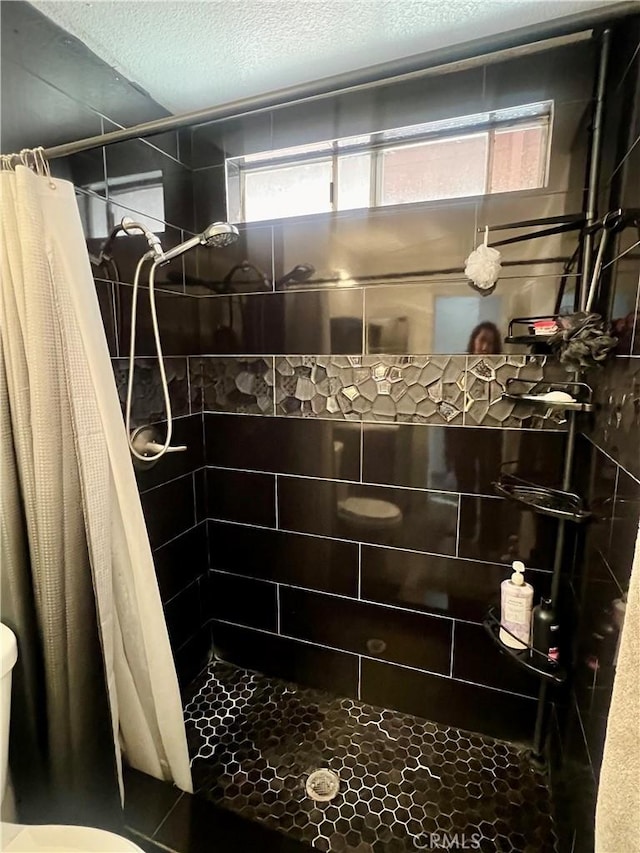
520	331
580	391
529	341
529	659
566	506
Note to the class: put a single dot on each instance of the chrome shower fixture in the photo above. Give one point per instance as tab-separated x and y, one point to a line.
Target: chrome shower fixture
130	226
218	235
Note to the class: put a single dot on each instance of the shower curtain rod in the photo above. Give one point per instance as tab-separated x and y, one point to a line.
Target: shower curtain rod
361	78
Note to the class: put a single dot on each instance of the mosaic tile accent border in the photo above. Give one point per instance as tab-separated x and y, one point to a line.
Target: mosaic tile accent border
428	389
486	382
457	390
254	740
228	384
148	402
423	389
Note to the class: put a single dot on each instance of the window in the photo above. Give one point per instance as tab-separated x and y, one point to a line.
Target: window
491	152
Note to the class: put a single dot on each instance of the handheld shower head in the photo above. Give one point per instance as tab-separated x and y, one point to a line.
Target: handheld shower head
219	235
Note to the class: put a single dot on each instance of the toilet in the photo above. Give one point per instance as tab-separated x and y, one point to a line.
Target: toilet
16	838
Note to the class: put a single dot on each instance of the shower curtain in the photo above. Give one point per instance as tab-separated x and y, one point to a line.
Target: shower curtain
95	678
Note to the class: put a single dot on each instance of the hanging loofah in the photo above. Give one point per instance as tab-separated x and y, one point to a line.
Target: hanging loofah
583	341
483	267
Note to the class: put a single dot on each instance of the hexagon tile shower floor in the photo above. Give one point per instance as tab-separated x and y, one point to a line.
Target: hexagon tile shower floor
406	784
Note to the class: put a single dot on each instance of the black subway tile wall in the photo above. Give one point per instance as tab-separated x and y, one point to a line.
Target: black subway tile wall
609	461
448	700
351	440
309	562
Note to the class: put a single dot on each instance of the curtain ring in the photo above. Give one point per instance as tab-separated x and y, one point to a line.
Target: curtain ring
24	157
43	166
486	235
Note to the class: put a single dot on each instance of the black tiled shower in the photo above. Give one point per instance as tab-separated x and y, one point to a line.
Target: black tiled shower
299	403
405	783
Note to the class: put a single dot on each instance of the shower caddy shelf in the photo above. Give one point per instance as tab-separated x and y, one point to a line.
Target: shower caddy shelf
563	505
555	503
532	395
528	340
550	673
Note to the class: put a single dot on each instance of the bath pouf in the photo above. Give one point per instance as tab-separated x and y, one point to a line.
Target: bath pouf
483	268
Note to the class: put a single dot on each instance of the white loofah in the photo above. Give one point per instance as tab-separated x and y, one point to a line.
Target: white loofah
483	267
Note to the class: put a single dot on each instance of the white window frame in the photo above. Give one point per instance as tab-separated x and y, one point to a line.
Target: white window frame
532	115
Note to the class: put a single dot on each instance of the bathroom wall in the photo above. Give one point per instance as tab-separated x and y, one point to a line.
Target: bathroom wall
609	467
355	537
344	479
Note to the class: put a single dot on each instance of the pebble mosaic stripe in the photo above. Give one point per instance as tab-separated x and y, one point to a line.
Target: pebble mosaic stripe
241	385
404	781
432	389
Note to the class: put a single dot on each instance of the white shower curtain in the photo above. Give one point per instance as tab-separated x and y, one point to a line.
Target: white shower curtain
74	469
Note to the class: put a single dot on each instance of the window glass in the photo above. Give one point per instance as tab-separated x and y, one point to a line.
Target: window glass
354	181
445	168
287	191
519	159
498	151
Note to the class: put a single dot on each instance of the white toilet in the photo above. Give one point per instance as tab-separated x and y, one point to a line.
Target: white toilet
15	838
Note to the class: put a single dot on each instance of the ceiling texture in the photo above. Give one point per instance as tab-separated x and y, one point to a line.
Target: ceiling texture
192	55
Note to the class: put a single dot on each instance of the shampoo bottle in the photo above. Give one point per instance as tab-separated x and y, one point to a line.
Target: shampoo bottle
545	631
517	601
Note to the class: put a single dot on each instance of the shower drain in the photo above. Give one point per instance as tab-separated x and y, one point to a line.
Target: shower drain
322	785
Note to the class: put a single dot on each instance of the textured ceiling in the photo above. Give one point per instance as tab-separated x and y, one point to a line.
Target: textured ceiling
191	55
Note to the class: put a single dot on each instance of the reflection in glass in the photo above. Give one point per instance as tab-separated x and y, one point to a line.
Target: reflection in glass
470	155
141	193
447	168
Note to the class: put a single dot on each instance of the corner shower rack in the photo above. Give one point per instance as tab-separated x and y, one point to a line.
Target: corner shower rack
528	339
537	387
541	499
545	670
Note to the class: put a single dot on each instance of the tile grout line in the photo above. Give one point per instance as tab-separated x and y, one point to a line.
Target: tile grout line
273	254
453	633
613	513
349	481
144	837
177	536
172	480
278	623
363	308
187	358
360	570
370	544
275	496
294	416
458	524
610	457
383	661
162	822
361	452
184	589
359	678
331	594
